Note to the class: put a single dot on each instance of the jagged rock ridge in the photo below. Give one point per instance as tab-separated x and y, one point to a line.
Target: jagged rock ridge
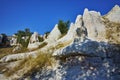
88	56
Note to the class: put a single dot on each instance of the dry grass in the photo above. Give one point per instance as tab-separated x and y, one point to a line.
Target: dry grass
9	50
5	51
61	45
42	45
28	66
112	31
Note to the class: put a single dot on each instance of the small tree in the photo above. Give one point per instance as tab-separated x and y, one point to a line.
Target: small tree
40	38
63	26
20	34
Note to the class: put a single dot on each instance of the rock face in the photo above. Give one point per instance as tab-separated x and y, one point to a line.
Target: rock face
88	47
13	41
81	68
114	14
34	42
95	27
54	35
76	30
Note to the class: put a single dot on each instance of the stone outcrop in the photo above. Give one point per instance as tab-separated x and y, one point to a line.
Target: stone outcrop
114	14
54	35
94	25
19	56
76	30
13	41
34	42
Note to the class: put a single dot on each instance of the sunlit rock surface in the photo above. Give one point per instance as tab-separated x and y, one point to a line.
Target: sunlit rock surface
54	35
94	25
34	41
114	14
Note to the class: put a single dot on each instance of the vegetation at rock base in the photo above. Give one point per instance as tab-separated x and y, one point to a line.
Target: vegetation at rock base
63	26
42	45
40	39
112	31
28	66
23	37
9	50
46	34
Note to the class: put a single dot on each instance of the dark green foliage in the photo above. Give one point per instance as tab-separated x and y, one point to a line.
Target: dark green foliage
5	41
40	39
23	34
63	26
43	44
46	34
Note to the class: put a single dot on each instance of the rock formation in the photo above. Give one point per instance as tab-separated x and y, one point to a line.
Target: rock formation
114	14
34	42
54	35
95	27
13	41
89	55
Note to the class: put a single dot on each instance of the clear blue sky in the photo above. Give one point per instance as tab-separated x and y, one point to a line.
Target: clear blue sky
42	15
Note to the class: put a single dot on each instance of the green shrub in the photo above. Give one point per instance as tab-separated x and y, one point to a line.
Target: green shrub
40	39
63	26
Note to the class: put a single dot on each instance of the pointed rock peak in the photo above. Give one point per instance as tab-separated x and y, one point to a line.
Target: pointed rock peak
99	13
114	14
78	18
116	7
54	35
35	33
72	25
55	30
86	10
56	26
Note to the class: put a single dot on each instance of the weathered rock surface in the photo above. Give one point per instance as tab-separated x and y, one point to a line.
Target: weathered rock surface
114	14
34	41
54	35
81	68
18	56
13	41
94	25
87	48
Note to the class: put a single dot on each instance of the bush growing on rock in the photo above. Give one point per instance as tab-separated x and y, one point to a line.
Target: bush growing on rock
63	26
